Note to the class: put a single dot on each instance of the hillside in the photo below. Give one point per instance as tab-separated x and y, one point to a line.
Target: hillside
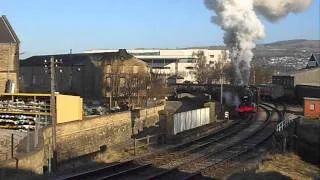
286	56
288	47
282	56
295	43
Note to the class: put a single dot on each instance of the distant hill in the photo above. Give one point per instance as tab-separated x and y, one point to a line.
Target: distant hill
285	45
296	43
296	47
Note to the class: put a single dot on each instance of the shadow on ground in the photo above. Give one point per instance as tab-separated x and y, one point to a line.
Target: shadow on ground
14	174
251	175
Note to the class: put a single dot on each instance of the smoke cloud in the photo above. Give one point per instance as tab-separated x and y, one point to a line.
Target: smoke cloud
242	27
274	10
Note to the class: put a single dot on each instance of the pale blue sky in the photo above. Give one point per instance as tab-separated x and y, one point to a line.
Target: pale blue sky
55	26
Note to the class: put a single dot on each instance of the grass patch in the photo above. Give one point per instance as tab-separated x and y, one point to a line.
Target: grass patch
289	165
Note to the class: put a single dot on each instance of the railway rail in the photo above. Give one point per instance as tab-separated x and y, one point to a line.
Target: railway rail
193	168
220	134
186	161
235	164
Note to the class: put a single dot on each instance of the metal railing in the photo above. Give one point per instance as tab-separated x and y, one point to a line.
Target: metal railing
147	141
285	123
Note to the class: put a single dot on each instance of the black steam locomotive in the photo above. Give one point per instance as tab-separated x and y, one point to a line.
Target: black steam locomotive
248	100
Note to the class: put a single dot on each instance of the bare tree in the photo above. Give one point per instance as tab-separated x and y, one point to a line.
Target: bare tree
135	86
201	69
158	88
221	70
125	82
260	75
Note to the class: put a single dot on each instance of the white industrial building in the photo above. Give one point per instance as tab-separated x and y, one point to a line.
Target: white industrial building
173	61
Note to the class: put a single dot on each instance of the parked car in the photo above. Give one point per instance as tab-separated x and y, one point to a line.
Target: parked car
115	109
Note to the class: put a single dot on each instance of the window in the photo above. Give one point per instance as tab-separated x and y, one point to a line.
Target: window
122	81
190	60
160	67
211	56
189	67
312	107
108	68
122	69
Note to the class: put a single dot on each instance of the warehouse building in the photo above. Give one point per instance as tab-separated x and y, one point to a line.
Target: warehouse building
310	75
169	62
9	56
93	76
312	107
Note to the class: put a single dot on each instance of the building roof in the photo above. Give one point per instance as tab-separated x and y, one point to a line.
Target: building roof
76	59
307	70
7	34
312	99
309	84
164	57
314	61
283	75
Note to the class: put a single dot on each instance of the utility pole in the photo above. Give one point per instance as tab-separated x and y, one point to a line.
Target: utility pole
254	74
221	88
53	111
53	64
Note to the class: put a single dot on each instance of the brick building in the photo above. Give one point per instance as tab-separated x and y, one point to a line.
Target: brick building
311	107
92	76
9	54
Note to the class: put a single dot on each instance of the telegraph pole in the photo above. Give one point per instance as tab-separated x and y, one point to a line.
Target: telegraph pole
53	111
221	88
53	64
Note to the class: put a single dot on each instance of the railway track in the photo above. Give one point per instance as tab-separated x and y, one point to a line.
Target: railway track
220	134
187	160
263	143
194	168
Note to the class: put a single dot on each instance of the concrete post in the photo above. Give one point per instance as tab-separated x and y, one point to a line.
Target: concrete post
12	145
211	105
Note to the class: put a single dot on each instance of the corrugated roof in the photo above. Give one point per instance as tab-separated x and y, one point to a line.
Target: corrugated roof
7	34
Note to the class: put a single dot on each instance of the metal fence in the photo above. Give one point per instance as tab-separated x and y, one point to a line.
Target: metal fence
14	143
147	141
283	124
190	119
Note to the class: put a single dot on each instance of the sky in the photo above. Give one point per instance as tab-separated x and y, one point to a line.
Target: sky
50	27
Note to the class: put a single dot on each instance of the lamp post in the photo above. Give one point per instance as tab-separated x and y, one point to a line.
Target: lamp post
147	95
221	88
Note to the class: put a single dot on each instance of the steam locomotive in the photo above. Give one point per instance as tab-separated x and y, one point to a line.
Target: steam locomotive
248	101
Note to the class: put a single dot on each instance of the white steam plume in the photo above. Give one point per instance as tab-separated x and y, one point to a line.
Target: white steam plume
243	28
274	10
